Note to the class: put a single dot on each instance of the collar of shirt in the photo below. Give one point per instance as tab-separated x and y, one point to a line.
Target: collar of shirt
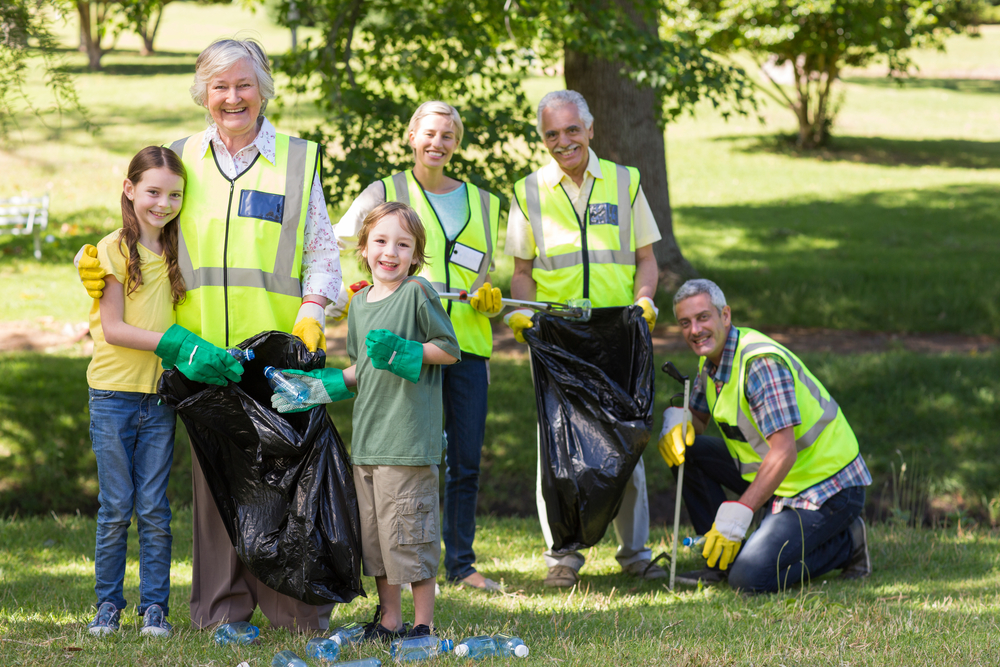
264	142
724	370
552	174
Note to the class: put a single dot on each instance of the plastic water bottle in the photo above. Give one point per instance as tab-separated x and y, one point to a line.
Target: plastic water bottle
510	647
236	633
288	659
694	541
348	634
477	648
239	355
295	390
322	648
363	662
419	648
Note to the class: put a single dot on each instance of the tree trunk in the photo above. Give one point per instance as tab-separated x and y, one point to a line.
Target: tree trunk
626	132
92	45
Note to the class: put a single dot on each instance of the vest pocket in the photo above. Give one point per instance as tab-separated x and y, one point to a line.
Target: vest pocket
417	519
262	205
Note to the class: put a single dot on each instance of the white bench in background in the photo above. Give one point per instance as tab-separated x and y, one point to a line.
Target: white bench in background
25	215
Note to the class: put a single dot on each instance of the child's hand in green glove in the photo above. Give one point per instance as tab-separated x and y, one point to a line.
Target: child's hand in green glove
389	352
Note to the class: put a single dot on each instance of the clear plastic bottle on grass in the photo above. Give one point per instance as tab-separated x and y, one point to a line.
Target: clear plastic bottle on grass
363	662
288	659
236	633
409	649
510	647
295	390
477	648
323	649
348	634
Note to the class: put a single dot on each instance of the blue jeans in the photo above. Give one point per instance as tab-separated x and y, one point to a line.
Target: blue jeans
133	439
788	547
465	388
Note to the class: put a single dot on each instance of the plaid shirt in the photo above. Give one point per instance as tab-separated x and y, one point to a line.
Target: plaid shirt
770	391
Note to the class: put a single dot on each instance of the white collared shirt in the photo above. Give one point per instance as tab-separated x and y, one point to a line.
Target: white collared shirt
320	252
520	239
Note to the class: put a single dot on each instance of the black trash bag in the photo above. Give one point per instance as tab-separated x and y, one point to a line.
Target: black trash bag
283	483
594	390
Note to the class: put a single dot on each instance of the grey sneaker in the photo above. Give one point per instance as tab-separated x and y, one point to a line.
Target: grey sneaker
154	623
561	576
707	577
860	563
106	621
645	569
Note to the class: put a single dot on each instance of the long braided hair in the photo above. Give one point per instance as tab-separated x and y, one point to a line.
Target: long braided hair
151	157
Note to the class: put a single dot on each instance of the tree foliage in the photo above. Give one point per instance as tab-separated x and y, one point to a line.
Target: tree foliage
819	38
26	34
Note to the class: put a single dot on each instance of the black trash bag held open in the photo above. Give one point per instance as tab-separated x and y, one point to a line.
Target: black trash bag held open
283	483
594	390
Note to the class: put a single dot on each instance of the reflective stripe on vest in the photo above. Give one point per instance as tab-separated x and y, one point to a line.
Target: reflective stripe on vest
591	258
824	441
241	241
444	269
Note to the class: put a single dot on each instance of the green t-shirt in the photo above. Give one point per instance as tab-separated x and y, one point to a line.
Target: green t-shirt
395	421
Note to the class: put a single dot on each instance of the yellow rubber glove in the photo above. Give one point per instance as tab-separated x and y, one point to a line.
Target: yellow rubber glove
487	300
339	310
649	311
672	444
308	328
518	321
91	273
723	542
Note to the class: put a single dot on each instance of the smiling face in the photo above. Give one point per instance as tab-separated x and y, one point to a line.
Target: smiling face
389	251
567	138
433	141
704	328
157	199
234	100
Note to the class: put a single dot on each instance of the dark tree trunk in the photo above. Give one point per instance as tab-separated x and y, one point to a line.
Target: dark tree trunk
626	132
91	41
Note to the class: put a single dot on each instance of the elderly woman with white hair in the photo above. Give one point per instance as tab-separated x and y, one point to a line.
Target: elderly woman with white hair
461	222
257	253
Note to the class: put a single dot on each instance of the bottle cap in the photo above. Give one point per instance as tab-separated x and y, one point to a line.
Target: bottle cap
521	651
462	650
249	354
336	639
447	645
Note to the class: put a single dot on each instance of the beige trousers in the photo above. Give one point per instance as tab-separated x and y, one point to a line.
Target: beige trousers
222	589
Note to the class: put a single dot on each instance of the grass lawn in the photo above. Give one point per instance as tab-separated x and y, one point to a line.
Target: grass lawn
932	600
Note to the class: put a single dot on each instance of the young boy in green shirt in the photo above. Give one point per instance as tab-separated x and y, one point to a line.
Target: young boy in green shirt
397	443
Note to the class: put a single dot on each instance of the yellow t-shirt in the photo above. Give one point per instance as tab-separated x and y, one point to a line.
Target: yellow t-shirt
150	307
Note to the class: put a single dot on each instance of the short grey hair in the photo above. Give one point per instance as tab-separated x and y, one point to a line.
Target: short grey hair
560	98
435	107
700	286
222	54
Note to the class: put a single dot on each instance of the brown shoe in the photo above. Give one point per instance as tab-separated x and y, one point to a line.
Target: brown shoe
644	569
561	576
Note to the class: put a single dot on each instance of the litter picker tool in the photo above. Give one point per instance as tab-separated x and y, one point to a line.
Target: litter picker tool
672	371
575	309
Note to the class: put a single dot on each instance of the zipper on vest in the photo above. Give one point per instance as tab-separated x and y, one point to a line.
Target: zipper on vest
225	259
583	235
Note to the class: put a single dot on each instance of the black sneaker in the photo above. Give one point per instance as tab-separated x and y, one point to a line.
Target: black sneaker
376	632
707	577
419	631
860	564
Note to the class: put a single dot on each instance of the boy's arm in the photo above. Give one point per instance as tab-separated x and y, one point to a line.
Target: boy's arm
351	376
116	331
435	355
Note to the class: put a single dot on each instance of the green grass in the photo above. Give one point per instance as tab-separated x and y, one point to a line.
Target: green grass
932	600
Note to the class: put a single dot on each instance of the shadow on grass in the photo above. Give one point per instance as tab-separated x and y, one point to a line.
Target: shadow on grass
948	153
903	260
978	86
131	63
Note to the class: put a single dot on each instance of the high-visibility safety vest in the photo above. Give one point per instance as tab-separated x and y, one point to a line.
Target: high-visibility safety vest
824	440
462	264
240	246
593	258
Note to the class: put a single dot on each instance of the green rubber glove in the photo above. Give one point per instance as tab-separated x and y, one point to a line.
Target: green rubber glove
196	358
389	352
325	386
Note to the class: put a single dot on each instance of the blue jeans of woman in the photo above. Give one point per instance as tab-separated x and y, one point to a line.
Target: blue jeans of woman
465	388
133	439
787	548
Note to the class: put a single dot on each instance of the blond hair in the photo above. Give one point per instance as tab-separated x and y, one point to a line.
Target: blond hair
437	108
409	220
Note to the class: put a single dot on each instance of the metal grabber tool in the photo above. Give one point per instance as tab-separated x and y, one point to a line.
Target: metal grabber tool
577	310
672	371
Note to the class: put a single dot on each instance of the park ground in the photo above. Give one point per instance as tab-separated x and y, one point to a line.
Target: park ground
875	258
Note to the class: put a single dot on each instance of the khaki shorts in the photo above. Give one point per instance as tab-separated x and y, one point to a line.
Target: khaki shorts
400	538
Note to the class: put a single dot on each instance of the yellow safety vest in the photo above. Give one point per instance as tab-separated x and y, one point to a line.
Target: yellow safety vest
593	258
240	246
824	440
462	264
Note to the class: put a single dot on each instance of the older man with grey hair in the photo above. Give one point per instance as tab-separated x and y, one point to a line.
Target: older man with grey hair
580	227
786	450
